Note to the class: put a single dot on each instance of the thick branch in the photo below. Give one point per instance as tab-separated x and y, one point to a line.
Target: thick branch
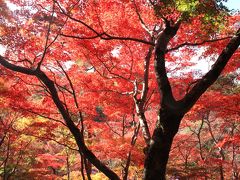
74	130
16	68
160	50
202	85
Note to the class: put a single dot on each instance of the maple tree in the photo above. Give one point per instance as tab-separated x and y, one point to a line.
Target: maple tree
100	69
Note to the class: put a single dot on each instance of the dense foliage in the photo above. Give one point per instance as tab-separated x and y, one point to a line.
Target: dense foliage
94	89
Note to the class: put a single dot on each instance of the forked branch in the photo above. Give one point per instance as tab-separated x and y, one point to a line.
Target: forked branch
202	85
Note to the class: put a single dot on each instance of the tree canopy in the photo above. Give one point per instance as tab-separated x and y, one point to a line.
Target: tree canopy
111	82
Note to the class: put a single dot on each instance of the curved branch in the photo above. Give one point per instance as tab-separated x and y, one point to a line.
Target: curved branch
106	37
16	68
197	44
80	38
141	102
74	130
112	37
141	20
102	35
70	124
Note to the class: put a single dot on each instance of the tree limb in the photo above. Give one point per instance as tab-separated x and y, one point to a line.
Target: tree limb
159	61
197	43
201	86
16	68
70	124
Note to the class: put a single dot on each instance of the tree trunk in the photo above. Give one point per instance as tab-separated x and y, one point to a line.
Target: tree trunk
221	172
157	157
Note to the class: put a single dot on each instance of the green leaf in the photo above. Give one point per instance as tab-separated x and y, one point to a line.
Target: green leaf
187	5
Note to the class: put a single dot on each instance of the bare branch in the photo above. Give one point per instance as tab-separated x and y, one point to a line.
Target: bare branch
80	38
106	36
141	20
47	37
115	132
74	97
42	115
133	142
198	43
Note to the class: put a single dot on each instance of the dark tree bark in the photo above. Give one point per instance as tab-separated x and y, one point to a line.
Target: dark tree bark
160	146
168	118
172	111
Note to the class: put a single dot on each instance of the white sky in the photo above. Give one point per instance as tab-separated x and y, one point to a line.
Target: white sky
233	4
